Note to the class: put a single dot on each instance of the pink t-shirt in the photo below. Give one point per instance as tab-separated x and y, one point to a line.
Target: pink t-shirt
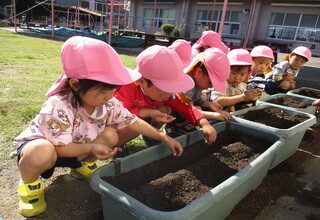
60	123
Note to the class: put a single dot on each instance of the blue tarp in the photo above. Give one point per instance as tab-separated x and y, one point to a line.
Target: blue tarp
116	40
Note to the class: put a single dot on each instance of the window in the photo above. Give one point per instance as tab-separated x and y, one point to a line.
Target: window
162	16
231	23
308	20
298	27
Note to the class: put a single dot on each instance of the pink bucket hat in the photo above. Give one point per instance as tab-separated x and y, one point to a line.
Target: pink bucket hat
211	39
164	68
262	51
239	57
303	51
183	49
217	65
88	58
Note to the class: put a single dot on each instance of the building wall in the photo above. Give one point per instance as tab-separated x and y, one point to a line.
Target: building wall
187	12
263	19
140	6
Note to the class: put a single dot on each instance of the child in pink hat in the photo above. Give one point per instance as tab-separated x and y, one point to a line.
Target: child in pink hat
183	49
153	97
236	93
262	57
208	39
208	69
281	79
77	124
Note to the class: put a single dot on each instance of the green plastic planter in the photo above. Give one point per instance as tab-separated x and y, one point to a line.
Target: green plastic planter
292	136
216	204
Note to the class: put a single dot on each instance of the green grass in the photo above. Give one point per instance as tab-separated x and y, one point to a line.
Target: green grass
28	67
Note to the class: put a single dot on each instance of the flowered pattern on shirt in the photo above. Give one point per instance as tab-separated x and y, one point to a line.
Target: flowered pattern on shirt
61	124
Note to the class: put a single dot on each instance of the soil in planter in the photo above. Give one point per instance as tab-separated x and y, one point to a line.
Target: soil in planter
290	102
274	117
309	93
171	183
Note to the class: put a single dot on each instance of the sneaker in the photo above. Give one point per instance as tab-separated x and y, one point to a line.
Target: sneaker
188	128
31	199
174	131
85	171
150	142
121	152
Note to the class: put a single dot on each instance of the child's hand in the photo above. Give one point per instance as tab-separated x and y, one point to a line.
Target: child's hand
101	152
221	115
173	144
209	133
214	106
252	95
317	105
162	117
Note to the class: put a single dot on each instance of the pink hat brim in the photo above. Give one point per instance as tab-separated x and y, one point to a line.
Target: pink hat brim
217	84
126	76
57	86
240	63
182	85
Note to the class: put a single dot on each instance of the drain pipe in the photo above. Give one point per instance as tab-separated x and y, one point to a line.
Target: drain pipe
224	11
252	10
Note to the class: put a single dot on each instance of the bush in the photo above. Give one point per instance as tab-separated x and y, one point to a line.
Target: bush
176	32
167	28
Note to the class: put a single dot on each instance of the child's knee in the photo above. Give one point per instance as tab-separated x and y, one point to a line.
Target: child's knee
39	153
110	136
285	85
165	109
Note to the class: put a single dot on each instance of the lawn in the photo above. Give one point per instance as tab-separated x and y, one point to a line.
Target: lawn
28	67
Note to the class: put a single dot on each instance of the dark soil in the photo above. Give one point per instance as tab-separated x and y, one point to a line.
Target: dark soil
175	182
309	93
290	102
274	117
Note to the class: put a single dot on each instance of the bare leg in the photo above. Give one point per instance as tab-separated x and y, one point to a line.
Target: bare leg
35	158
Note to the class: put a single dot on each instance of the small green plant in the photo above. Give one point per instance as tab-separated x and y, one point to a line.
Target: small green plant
176	32
167	28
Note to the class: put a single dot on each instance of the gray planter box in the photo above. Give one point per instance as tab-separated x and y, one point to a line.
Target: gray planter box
292	136
216	204
310	109
296	91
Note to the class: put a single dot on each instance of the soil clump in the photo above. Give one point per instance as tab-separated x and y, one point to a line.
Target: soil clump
171	183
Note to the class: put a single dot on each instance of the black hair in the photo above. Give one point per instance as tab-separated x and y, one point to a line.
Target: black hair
238	68
84	86
202	67
149	82
306	60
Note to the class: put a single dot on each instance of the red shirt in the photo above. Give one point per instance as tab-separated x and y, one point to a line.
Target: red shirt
134	99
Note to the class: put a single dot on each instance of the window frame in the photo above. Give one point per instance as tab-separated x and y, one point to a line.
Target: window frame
203	24
157	19
309	32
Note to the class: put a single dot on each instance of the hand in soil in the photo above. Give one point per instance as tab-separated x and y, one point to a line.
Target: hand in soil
317	105
209	133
